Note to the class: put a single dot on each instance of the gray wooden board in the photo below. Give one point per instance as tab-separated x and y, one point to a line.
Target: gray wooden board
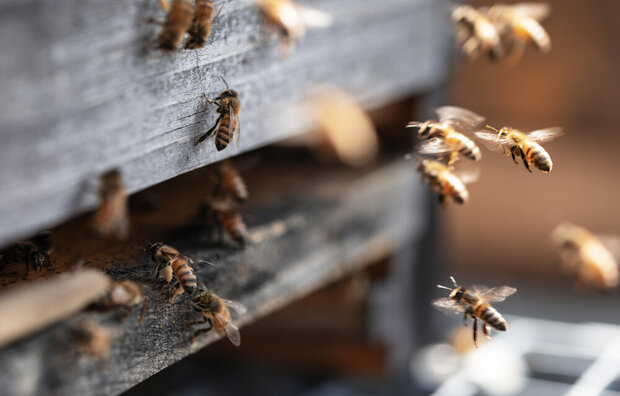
81	91
329	230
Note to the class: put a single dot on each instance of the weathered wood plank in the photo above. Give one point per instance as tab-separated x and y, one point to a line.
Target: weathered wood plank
337	223
82	93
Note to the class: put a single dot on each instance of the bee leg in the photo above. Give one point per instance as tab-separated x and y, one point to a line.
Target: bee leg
175	291
195	322
203	330
146	301
476	332
527	165
125	312
465	319
512	153
442	199
486	331
158	271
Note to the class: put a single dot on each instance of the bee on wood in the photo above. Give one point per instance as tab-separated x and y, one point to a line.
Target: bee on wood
126	294
588	257
525	145
475	303
221	218
477	33
168	260
227	124
216	312
91	338
230	184
201	26
445	137
444	182
111	217
177	23
34	252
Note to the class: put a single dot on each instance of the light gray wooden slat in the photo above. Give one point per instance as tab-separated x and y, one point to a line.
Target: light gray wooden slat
82	94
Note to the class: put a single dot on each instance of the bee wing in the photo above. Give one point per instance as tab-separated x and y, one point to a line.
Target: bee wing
446	305
491	140
538	11
414	124
236	306
611	243
457	116
232	332
544	135
235	120
433	146
314	18
494	294
468	176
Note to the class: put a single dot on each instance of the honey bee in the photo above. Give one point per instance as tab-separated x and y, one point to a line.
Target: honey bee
525	145
126	294
519	24
227	124
475	303
477	33
444	182
91	338
291	19
216	311
230	183
34	252
168	260
587	256
111	216
220	217
201	26
444	137
177	23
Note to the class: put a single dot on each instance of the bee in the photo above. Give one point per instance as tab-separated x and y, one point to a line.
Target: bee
475	303
519	24
201	26
291	19
230	183
446	183
126	294
111	217
34	252
168	260
176	25
525	145
445	137
227	124
216	311
477	33
91	338
219	217
587	256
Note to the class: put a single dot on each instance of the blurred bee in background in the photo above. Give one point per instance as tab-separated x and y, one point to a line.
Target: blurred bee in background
227	124
445	137
34	252
475	303
519	24
91	338
220	217
525	145
201	25
178	21
173	265
111	218
291	19
126	294
476	33
588	257
229	183
216	312
444	182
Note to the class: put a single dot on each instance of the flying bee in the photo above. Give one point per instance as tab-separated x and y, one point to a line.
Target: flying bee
445	137
476	33
126	294
173	265
201	26
177	23
517	143
587	256
220	218
444	182
34	252
230	183
475	303
227	124
111	218
216	312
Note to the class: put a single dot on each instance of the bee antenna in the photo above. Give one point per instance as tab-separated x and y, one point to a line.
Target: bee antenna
222	77
454	282
490	127
443	287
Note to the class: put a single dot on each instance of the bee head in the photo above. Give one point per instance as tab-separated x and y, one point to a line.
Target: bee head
457	293
37	259
203	302
425	130
154	248
229	93
503	132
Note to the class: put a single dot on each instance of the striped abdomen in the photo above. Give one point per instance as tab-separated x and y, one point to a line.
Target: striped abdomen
225	132
234	226
185	274
177	24
201	27
530	30
111	216
234	184
490	316
464	146
453	186
536	155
